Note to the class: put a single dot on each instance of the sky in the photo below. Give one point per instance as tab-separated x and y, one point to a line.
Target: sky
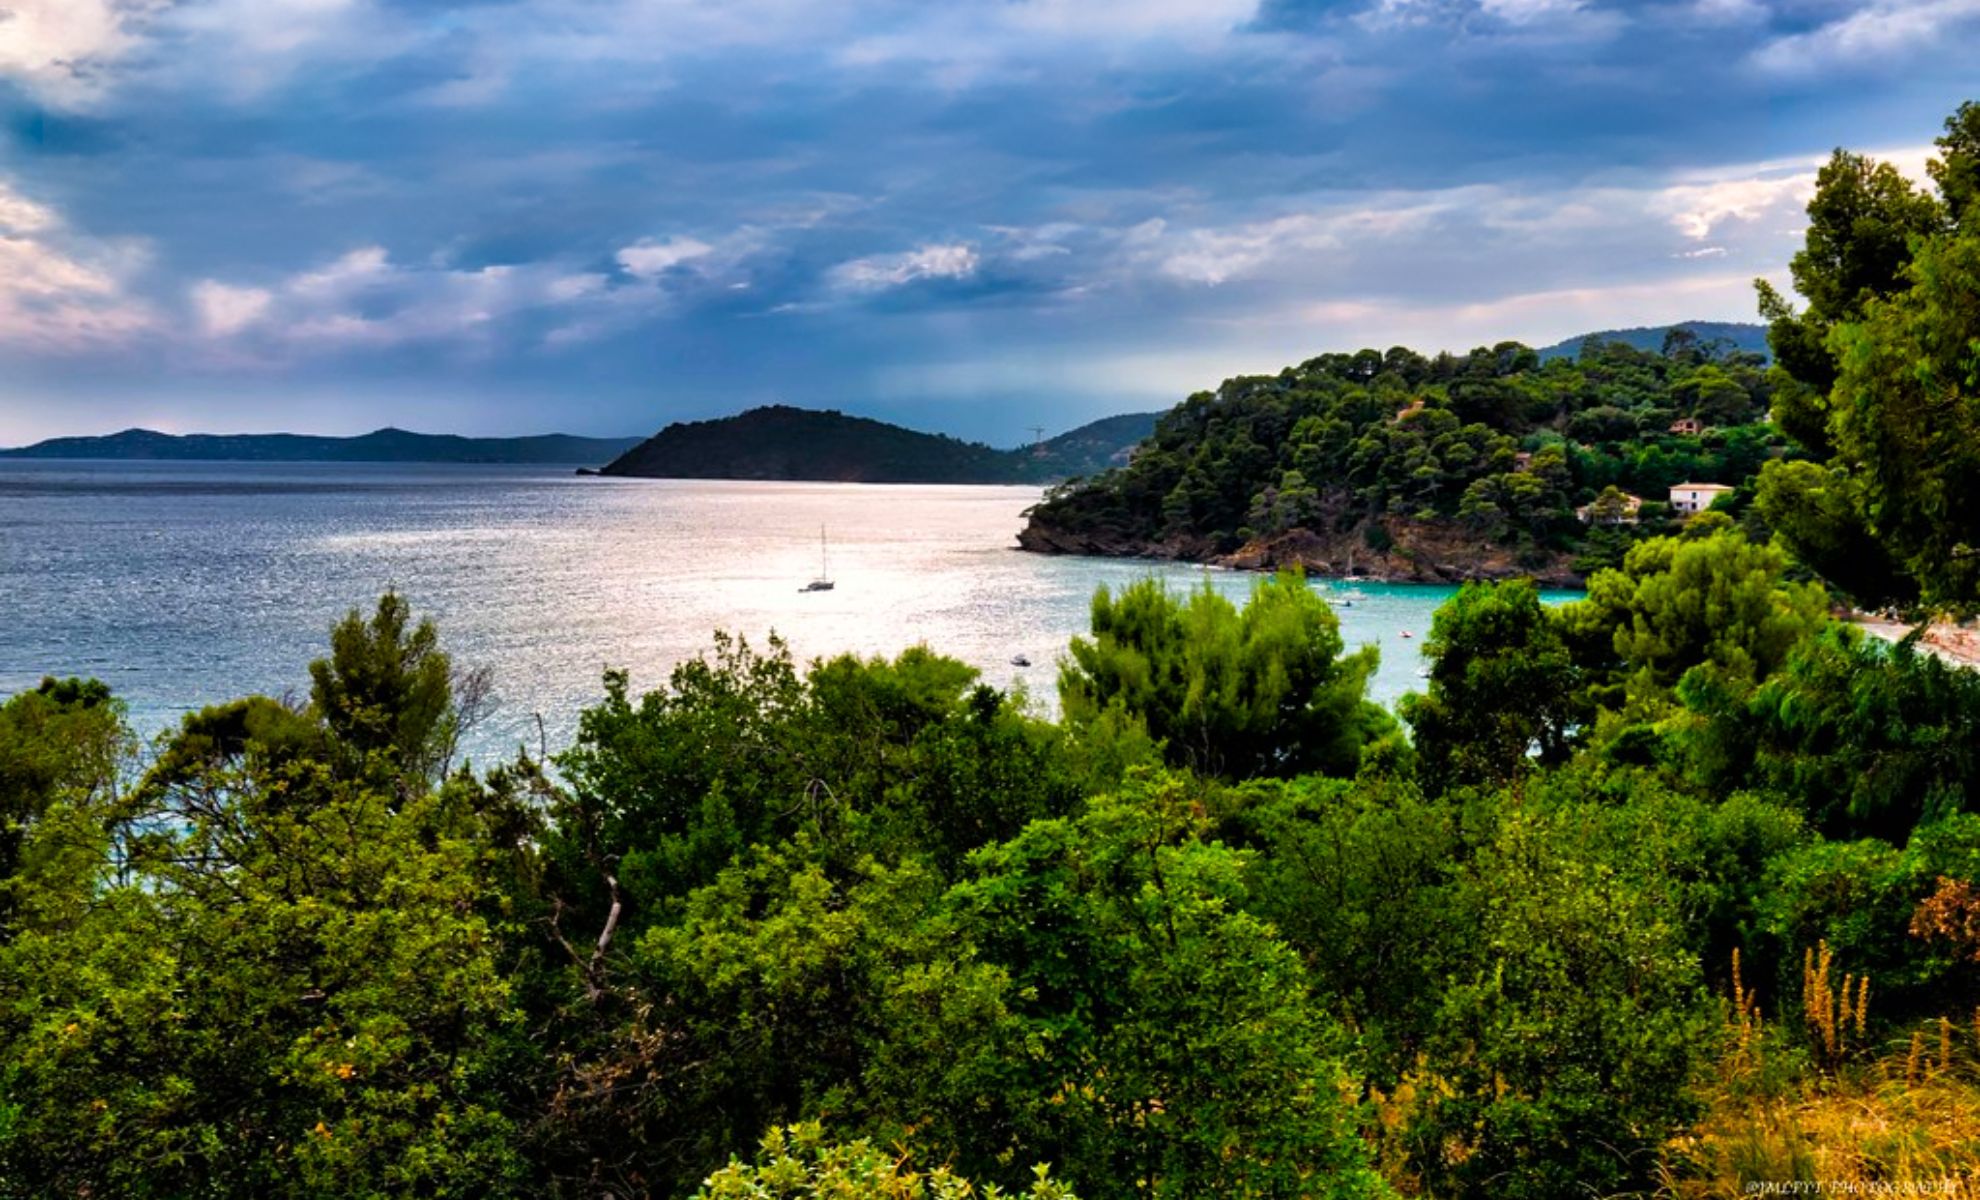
971	216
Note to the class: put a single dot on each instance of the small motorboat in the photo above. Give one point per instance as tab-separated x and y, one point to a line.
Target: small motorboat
1406	633
1019	660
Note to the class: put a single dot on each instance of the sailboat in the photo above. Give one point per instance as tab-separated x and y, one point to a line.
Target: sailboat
824	581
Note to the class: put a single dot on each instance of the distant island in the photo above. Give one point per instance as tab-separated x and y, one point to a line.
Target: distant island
782	442
381	445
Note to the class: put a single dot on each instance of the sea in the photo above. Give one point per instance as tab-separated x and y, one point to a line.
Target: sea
186	584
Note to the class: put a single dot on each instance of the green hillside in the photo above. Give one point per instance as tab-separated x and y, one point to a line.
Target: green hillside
1477	461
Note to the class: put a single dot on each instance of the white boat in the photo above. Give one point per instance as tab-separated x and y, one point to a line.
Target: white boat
824	581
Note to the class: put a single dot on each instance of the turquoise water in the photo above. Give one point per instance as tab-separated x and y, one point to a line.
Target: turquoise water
185	584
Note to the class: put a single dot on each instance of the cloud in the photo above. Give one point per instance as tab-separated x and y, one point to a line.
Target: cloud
1728	12
60	50
240	50
346	277
1882	34
1526	12
881	271
365	299
1545	315
1512	22
1772	193
1697	210
224	310
480	54
19	215
62	291
647	259
1212	255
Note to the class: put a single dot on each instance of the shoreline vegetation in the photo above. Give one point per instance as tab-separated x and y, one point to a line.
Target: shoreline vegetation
1670	891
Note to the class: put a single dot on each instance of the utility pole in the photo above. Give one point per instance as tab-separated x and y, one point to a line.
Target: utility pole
1037	434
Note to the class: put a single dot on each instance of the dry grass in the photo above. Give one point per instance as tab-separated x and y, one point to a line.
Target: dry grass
1850	1134
1834	1118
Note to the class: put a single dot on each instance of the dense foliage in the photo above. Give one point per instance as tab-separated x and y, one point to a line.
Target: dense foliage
1493	443
1265	691
1879	377
1220	932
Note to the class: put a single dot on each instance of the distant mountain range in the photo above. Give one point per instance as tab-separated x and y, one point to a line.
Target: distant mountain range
1742	334
382	445
781	442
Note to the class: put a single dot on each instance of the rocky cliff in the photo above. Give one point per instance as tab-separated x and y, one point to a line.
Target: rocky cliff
1416	552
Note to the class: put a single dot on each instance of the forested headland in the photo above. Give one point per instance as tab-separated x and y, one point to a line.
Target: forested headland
1671	890
1444	468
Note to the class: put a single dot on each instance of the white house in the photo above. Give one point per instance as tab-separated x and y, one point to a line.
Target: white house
1690	498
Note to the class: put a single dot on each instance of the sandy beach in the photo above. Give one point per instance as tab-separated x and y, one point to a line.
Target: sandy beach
1957	644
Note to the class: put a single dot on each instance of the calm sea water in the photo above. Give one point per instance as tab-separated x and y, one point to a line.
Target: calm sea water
186	584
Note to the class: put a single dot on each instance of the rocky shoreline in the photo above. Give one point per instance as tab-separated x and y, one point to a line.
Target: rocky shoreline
1416	552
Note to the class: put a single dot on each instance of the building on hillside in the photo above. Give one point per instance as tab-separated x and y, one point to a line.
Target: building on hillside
1689	498
1688	425
1619	509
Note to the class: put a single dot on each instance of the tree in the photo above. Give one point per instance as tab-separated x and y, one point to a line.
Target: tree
1957	169
1885	378
1870	739
1816	511
62	748
385	695
1563	1049
1611	507
797	1163
268	976
1905	420
890	757
1171	1046
786	993
1357	875
1265	691
1861	222
1503	686
1676	604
